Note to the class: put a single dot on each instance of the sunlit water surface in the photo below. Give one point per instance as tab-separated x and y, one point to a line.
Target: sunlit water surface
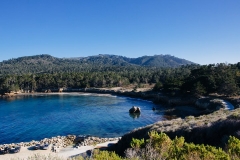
35	117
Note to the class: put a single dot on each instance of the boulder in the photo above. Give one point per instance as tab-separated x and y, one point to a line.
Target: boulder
135	109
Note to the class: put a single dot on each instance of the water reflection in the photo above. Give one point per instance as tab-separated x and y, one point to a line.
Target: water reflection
134	115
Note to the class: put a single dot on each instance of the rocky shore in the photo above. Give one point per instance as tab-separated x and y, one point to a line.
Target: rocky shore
59	142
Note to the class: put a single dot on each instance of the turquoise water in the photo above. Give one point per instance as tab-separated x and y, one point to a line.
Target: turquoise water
27	118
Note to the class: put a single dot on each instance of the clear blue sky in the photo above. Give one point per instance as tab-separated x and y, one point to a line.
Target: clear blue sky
202	31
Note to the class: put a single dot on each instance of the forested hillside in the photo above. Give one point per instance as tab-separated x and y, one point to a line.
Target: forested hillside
160	61
46	72
49	64
199	80
121	76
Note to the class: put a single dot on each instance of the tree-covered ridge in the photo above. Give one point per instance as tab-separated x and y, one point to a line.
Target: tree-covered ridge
49	64
191	79
160	61
35	73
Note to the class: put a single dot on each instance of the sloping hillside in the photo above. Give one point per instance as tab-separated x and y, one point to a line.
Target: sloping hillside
160	61
213	129
49	64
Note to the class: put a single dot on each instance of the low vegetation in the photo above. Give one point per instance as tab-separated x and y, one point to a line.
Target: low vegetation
160	147
213	129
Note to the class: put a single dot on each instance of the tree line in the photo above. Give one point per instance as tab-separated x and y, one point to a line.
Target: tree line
214	78
104	77
194	79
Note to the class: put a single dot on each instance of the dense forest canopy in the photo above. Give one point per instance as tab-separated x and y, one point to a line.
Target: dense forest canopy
122	76
48	72
49	64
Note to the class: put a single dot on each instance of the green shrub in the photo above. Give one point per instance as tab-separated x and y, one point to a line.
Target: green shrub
176	148
137	143
192	151
160	142
101	155
233	147
160	146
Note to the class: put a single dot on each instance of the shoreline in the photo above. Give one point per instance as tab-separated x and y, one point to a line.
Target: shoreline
141	93
63	153
149	96
61	146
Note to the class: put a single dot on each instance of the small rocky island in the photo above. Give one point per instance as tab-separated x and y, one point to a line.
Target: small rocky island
135	109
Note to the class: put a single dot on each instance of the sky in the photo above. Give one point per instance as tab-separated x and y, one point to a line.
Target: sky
202	31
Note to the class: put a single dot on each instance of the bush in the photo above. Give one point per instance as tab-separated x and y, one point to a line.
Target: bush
136	143
160	146
233	148
100	155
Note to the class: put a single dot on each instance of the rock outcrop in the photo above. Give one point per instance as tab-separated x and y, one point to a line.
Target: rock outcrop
135	109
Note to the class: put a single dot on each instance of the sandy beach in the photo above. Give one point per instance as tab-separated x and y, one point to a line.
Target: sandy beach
63	153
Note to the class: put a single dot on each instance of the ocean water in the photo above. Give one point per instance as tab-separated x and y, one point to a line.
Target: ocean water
34	117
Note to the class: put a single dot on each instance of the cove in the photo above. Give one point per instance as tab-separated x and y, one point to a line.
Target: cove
38	116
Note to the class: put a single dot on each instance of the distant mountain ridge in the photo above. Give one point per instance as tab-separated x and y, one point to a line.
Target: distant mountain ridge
48	63
160	61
